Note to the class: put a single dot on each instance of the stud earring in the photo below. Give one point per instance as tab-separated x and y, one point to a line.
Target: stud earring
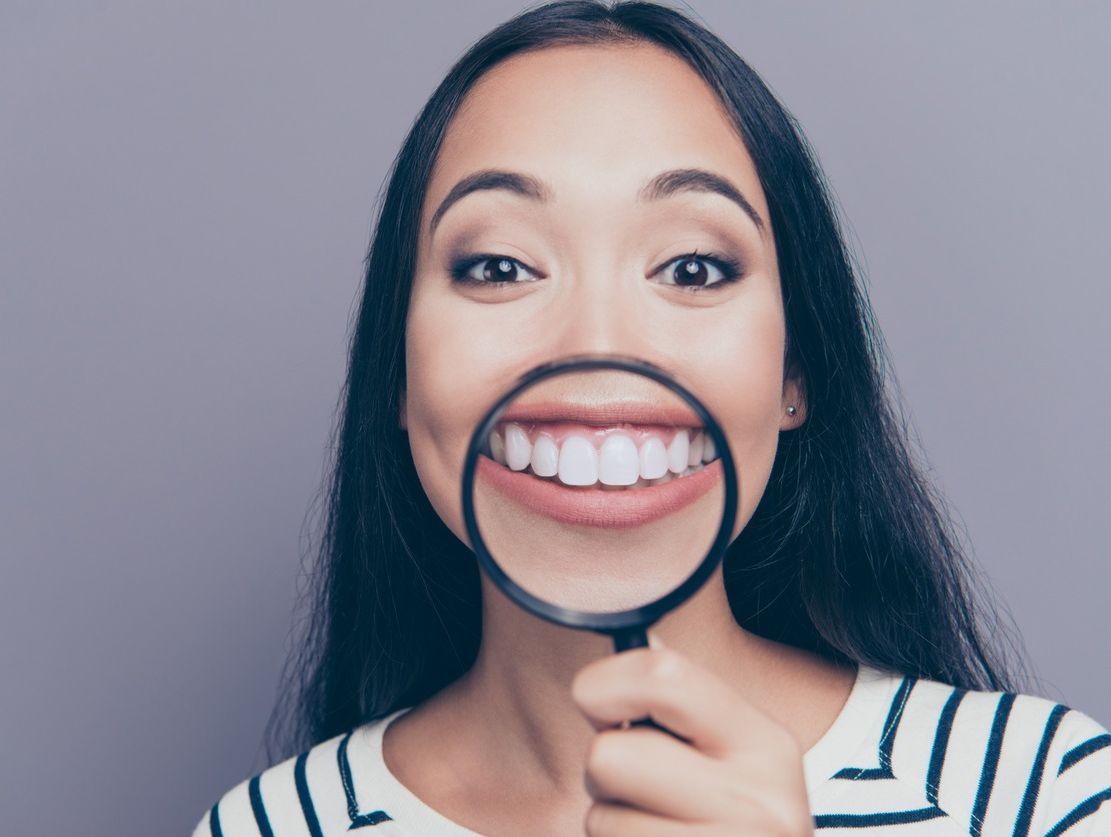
791	410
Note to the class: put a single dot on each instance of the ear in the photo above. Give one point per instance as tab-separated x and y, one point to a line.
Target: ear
794	394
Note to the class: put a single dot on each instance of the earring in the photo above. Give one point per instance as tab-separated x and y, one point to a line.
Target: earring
791	410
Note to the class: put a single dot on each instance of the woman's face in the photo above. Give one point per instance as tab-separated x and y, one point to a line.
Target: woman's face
593	260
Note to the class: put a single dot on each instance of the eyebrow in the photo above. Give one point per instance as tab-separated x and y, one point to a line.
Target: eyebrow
663	185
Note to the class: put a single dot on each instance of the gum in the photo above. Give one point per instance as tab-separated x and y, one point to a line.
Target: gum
558	431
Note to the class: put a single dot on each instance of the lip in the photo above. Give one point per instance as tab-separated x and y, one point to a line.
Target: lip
595	506
614	412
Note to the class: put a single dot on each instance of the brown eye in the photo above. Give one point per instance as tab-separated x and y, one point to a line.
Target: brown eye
495	269
503	270
691	272
697	271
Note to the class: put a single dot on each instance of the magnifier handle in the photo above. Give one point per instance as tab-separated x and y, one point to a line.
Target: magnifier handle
648	722
630	638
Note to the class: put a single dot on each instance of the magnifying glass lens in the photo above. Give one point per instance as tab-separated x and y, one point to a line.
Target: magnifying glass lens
598	491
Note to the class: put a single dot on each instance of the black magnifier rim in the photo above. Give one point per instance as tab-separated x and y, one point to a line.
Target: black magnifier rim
616	621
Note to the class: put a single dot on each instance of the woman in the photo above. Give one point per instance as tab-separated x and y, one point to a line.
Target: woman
617	180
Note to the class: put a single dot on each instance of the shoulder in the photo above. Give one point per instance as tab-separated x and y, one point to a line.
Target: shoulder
310	793
989	762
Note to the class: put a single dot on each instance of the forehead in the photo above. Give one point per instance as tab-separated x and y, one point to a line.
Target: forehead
596	122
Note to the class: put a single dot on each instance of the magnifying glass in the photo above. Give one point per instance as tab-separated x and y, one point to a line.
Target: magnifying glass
599	493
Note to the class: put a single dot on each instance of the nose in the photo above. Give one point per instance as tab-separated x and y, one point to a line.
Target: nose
600	312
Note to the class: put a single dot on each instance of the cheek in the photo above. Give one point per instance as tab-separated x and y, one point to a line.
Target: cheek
451	380
434	399
743	388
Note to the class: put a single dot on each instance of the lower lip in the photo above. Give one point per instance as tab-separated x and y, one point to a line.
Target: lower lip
610	509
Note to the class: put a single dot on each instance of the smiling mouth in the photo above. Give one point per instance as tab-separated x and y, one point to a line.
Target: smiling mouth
614	457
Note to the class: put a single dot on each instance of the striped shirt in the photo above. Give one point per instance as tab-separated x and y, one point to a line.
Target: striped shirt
905	756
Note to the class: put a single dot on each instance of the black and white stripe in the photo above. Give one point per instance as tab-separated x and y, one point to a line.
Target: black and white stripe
919	758
995	765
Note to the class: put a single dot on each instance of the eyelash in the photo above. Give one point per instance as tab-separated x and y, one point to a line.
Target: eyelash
730	269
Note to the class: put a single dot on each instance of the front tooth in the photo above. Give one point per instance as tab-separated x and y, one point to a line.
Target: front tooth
518	449
578	462
497	447
618	461
677	452
545	457
653	459
709	452
694	454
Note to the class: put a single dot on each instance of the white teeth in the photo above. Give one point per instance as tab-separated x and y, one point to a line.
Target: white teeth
578	462
694	455
618	460
653	459
677	452
618	464
497	448
709	452
518	450
545	457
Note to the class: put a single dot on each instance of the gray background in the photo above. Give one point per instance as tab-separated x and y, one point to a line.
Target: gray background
185	201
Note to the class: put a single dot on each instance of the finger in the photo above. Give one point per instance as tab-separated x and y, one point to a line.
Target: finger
678	694
650	770
606	819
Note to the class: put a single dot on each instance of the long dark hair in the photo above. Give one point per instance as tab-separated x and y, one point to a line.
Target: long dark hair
850	553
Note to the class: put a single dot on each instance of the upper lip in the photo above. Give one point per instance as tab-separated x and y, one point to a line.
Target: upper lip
604	414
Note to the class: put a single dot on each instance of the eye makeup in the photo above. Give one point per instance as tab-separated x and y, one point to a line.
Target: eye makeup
460	268
730	268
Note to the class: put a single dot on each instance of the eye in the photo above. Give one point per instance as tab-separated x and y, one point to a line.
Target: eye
692	270
696	271
495	270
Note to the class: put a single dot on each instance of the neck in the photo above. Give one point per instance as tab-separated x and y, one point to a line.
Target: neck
517	696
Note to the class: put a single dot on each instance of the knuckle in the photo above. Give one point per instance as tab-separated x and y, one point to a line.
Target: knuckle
603	755
598	820
735	794
666	668
786	745
801	826
785	818
580	688
789	741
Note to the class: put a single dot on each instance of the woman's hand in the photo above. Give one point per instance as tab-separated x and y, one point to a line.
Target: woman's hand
740	774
